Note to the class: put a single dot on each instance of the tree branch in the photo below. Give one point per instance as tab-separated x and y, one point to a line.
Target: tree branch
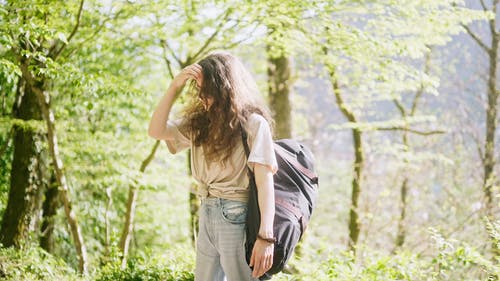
492	20
340	101
479	149
336	87
484	5
434	132
96	31
217	30
494	31
476	38
400	107
131	204
165	58
177	59
233	44
73	32
420	92
164	42
78	18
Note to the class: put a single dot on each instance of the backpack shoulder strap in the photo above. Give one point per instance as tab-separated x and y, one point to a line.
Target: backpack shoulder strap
244	138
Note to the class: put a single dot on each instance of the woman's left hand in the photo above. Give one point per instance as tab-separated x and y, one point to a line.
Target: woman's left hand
262	257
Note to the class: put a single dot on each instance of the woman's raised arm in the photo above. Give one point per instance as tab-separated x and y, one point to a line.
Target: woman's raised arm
158	124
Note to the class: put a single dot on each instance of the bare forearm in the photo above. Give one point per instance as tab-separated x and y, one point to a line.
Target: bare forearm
265	187
262	252
158	124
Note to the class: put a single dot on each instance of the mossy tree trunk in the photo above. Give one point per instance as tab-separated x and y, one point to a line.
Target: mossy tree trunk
491	125
488	155
278	73
279	82
29	171
50	206
35	92
37	86
359	160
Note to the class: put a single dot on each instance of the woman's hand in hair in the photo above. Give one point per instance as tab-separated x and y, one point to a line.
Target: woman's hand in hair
192	71
157	125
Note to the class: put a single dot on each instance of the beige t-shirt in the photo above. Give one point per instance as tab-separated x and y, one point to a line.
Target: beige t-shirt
229	181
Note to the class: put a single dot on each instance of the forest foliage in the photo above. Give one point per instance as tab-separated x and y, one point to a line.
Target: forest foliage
408	182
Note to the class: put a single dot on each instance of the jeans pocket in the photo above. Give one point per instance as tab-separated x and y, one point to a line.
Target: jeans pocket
234	212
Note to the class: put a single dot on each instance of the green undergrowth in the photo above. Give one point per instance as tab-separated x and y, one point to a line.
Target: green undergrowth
445	260
141	270
34	264
175	263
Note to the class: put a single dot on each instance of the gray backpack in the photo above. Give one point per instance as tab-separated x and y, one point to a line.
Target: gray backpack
295	192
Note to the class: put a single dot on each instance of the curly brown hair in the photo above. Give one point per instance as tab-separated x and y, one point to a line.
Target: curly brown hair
234	96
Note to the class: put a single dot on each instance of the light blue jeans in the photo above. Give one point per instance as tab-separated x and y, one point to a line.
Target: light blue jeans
220	249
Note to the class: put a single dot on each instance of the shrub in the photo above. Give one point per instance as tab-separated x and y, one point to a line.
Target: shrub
139	270
448	260
33	264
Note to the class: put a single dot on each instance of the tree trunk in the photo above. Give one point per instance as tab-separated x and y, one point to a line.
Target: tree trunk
488	153
194	207
401	236
107	238
50	206
278	71
28	173
354	224
491	123
359	158
131	203
400	239
194	204
43	99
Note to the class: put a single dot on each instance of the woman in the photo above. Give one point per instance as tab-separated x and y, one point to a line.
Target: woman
227	102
